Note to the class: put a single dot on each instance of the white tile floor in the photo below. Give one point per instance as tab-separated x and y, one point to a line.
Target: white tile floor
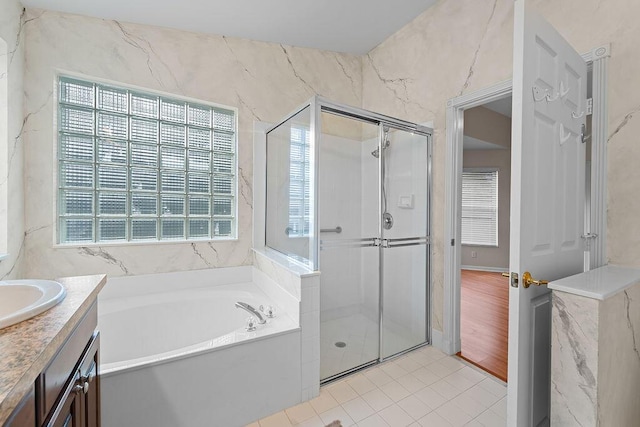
422	388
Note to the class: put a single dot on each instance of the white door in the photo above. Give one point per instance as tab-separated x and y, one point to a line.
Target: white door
547	201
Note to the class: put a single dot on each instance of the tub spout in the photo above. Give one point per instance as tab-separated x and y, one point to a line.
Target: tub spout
253	311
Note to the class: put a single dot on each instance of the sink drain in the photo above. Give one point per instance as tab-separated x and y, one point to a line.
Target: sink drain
340	344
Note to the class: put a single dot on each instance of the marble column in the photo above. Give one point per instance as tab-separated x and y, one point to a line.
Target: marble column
595	360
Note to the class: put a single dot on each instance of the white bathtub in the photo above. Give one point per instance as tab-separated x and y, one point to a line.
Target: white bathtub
175	352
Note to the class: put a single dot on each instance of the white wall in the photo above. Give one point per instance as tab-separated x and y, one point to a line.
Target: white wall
12	132
265	81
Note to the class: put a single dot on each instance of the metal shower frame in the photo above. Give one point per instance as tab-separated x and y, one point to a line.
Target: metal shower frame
317	105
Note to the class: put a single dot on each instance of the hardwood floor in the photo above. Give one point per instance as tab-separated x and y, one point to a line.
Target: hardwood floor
484	321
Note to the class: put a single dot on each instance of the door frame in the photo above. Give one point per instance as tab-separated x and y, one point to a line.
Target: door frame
597	60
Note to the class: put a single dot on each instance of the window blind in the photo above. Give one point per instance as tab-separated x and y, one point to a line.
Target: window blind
480	208
299	182
138	166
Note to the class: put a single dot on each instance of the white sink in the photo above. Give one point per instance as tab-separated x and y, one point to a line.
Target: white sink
23	299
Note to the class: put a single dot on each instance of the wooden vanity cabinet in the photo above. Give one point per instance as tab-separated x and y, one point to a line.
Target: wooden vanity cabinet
67	392
25	412
78	405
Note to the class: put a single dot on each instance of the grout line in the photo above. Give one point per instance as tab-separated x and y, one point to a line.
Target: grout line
429	356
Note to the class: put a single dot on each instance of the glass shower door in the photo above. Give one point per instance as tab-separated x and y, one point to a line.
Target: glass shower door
348	191
405	245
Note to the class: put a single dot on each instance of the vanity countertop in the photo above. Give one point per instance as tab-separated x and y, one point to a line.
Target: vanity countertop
27	347
600	283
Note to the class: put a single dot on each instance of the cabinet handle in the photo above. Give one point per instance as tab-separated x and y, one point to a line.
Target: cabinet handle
82	387
91	373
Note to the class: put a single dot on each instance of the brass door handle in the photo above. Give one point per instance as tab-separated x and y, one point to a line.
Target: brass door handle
528	280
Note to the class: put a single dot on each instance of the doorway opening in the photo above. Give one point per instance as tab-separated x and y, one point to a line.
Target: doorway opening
484	218
595	206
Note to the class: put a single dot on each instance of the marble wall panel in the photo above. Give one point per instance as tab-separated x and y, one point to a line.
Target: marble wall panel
13	125
574	359
460	46
619	359
265	81
455	47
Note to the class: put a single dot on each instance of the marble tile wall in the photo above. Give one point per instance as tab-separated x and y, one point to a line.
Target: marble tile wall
274	266
595	361
455	47
265	81
619	359
460	46
574	360
12	128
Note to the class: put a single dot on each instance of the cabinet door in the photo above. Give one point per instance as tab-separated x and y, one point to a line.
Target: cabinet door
25	413
68	412
90	380
79	405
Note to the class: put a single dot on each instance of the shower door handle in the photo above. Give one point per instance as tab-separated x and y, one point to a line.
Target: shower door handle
349	243
374	241
405	241
338	230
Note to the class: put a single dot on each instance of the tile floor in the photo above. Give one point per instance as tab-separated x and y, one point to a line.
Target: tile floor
422	388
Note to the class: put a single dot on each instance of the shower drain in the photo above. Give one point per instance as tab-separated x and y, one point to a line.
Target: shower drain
341	344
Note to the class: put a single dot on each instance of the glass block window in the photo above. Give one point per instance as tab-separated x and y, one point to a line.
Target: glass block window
136	166
299	182
480	207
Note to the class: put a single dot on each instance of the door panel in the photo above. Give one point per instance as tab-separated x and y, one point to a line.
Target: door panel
349	262
547	200
404	309
374	281
541	362
404	195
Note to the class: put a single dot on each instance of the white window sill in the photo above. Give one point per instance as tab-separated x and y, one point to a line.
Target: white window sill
141	243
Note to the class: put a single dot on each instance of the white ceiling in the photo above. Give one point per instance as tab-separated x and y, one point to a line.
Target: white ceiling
471	143
353	26
500	106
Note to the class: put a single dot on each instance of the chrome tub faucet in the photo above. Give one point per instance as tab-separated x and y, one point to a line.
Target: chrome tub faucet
248	308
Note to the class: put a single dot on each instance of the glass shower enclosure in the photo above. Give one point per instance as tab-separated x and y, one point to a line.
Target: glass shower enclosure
348	193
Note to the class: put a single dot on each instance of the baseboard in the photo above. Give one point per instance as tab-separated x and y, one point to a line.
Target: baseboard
439	341
482	268
436	339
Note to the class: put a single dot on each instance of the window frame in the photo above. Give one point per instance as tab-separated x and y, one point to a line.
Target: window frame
497	207
57	190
